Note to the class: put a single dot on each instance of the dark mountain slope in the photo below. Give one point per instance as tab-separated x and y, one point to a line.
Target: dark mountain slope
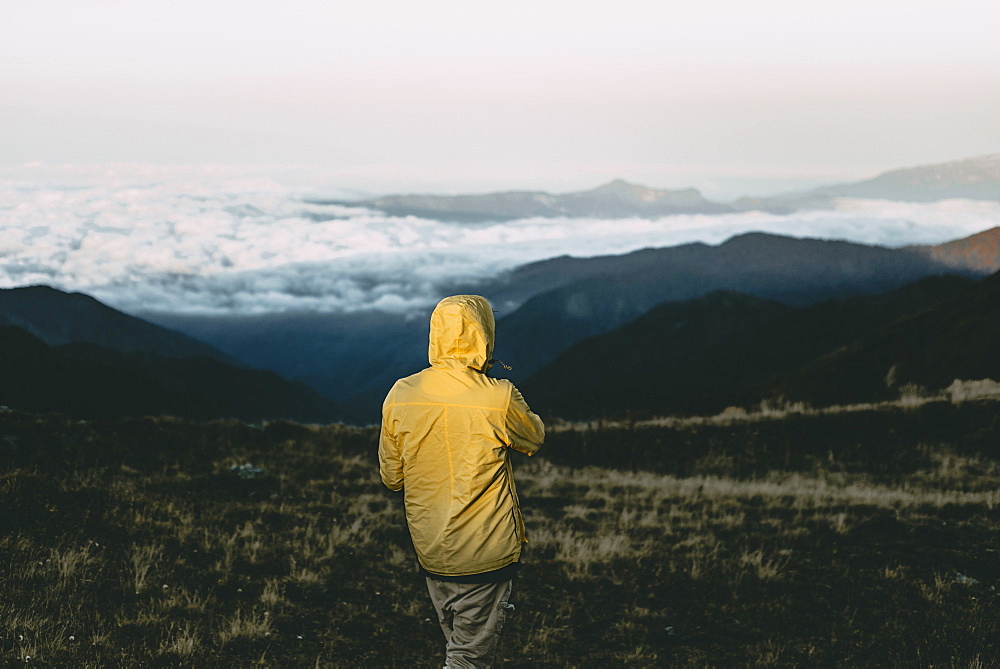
88	381
956	339
703	354
640	366
789	270
57	317
341	355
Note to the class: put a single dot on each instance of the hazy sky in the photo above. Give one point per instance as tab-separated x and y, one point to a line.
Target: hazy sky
467	96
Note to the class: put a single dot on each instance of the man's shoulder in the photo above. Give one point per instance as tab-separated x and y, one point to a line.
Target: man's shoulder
406	382
440	386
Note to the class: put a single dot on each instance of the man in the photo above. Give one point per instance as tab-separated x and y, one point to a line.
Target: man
445	437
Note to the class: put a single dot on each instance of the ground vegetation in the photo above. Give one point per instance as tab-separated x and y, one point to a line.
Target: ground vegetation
863	536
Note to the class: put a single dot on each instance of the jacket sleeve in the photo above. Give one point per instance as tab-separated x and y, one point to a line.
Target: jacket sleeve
524	428
390	461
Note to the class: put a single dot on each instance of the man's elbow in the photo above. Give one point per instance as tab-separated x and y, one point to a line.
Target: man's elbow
528	447
538	439
393	484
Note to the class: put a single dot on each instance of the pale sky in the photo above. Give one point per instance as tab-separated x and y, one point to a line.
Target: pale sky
442	95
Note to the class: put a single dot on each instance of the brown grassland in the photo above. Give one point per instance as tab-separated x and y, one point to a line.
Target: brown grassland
863	537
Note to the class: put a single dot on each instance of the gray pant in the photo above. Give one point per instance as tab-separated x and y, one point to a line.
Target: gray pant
471	617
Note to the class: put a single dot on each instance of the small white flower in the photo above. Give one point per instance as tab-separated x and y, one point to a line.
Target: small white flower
72	638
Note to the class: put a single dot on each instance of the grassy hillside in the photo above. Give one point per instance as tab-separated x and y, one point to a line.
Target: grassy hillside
862	537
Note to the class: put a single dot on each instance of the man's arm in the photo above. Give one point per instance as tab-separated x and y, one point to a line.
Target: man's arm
524	428
390	462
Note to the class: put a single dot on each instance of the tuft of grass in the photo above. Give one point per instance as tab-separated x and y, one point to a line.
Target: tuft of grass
181	640
141	560
243	626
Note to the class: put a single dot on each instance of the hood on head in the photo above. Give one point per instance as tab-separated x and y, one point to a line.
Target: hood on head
462	332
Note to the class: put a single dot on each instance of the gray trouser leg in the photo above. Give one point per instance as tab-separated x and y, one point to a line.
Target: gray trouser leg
471	617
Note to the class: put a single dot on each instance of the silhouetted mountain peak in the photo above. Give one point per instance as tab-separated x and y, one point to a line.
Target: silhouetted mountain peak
42	295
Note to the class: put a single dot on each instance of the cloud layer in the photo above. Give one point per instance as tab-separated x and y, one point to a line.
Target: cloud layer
209	239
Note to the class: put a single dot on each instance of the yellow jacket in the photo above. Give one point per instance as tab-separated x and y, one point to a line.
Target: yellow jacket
445	437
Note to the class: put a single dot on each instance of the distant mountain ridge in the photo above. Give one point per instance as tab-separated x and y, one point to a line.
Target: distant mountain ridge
973	178
616	199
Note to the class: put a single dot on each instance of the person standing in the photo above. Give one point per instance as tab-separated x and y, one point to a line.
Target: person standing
445	441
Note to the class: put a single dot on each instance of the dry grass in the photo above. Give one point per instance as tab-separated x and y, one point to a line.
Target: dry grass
911	396
173	561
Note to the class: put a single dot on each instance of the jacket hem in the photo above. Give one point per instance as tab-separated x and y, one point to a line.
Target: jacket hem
479	569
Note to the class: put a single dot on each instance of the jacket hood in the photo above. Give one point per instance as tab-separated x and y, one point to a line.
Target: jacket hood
462	332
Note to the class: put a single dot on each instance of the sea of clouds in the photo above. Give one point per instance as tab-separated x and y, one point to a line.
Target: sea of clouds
222	240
